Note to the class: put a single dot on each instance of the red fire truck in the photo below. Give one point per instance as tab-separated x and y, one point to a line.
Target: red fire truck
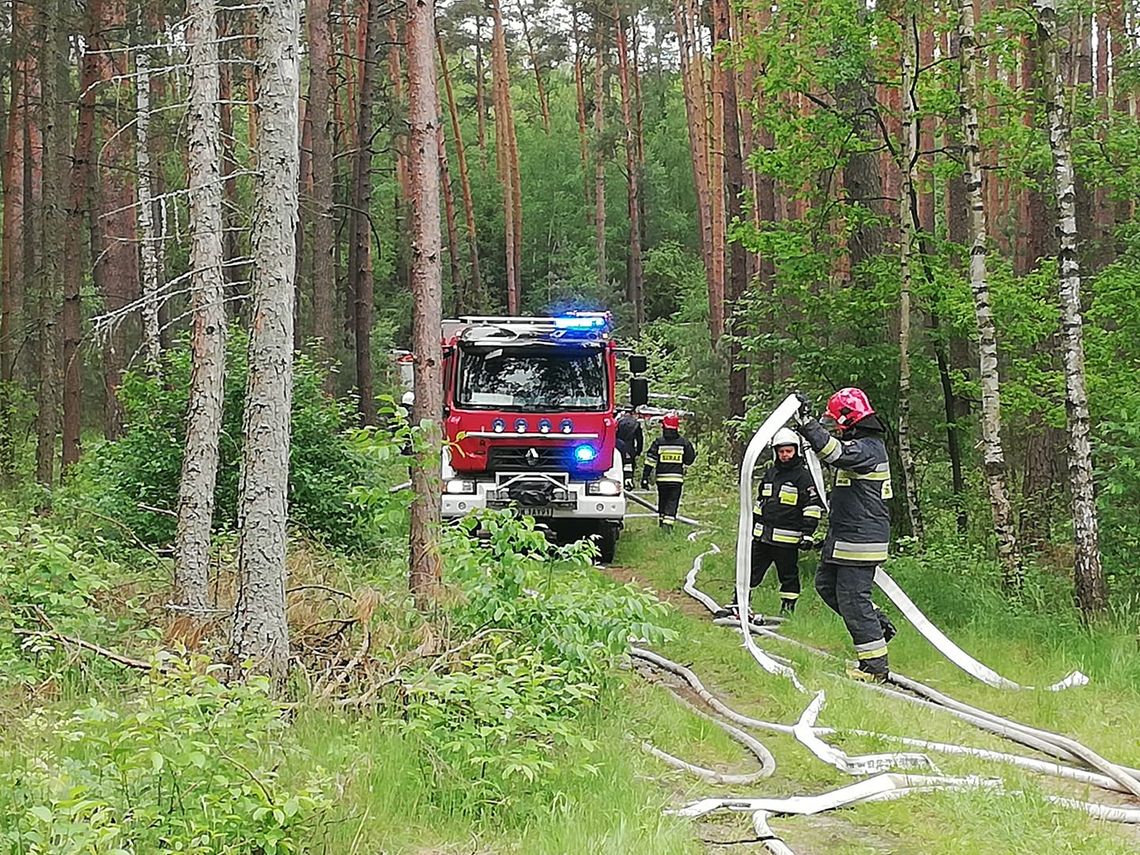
529	421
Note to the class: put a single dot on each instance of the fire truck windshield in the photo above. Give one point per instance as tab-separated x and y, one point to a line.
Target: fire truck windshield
538	379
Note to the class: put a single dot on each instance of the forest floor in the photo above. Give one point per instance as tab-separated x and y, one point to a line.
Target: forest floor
1030	647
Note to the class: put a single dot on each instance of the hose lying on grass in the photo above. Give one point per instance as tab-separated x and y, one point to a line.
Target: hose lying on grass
636	498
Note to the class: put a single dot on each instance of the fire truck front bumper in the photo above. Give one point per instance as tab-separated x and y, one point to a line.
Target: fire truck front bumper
540	497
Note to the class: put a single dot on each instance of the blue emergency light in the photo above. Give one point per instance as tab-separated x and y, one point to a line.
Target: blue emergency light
584	453
582	323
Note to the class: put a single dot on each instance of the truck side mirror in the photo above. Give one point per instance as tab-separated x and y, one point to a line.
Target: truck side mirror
638	363
638	392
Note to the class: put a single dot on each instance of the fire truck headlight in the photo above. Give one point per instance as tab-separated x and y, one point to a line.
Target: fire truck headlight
566	426
544	426
498	425
585	453
604	487
457	486
520	425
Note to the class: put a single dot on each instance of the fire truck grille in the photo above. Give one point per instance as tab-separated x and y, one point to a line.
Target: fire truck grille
528	459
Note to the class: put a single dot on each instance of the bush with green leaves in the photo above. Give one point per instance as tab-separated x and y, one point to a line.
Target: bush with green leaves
187	766
338	473
553	596
51	582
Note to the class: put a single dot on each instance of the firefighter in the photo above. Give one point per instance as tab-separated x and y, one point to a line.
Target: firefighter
630	442
784	520
858	531
670	454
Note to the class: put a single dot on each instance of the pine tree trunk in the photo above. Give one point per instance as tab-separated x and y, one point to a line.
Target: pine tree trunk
475	296
361	257
992	451
260	630
117	265
427	296
207	299
580	94
601	267
717	170
53	118
480	98
12	273
504	154
543	103
322	70
736	283
78	210
635	287
152	337
908	226
452	231
696	115
1092	595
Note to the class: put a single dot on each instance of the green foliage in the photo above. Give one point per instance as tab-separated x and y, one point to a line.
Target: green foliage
550	595
338	474
49	581
186	766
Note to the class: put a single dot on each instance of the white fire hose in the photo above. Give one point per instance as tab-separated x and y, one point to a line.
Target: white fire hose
888	785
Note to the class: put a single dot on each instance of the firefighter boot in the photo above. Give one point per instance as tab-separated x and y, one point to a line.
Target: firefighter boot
787	606
870	670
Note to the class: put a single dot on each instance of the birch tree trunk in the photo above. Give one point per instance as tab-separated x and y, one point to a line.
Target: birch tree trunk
260	631
322	68
1092	595
635	286
427	299
152	344
208	338
908	226
992	452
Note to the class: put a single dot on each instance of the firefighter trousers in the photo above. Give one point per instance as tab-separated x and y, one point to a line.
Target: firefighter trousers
668	501
846	589
787	561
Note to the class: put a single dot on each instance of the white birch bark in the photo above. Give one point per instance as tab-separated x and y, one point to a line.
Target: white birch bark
260	631
1088	572
993	454
907	229
427	296
152	346
208	338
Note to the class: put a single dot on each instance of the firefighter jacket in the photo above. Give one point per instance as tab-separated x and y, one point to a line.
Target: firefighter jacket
788	507
630	439
670	453
859	521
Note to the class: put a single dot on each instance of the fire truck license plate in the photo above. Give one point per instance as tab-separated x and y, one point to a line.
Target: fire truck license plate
540	512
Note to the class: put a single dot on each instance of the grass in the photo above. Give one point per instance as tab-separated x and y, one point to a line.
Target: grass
392	794
1031	644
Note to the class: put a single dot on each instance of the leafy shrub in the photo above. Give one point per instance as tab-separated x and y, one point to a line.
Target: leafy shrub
332	464
186	766
48	578
552	595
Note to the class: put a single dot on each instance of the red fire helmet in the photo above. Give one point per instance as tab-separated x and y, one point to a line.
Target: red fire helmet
671	421
848	407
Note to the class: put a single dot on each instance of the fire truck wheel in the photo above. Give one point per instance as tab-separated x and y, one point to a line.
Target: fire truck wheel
607	538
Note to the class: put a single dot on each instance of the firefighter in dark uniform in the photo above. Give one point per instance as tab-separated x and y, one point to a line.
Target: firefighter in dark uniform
784	520
858	531
630	442
670	454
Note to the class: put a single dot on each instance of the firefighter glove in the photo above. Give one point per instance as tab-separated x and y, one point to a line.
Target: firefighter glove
644	483
804	412
807	543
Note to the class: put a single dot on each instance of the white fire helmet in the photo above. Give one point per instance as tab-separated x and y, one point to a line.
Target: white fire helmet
784	436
